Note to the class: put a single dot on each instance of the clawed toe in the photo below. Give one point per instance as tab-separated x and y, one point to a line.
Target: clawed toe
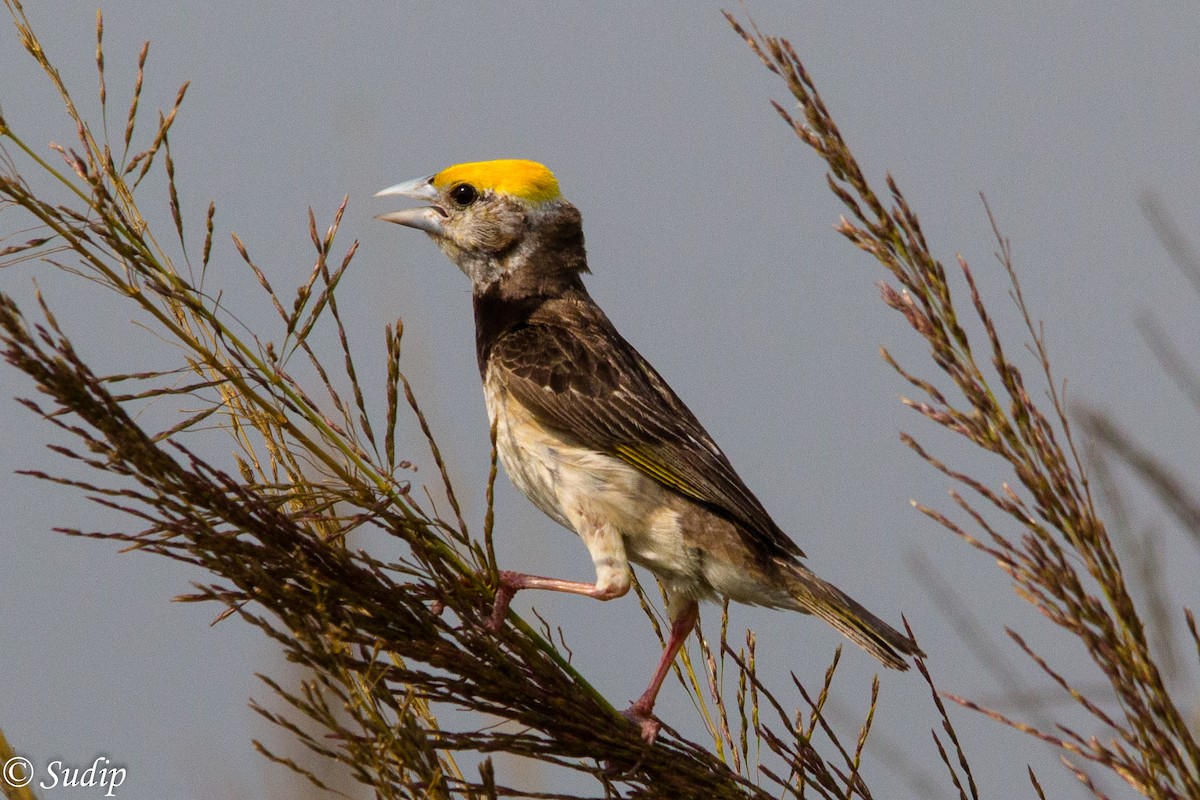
504	596
647	723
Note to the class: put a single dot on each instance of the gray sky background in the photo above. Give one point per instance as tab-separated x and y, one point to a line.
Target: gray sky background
710	236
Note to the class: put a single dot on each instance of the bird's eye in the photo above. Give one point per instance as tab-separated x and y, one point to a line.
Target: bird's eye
464	194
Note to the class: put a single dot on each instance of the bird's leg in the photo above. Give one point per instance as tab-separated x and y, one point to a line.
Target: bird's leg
613	577
513	582
639	712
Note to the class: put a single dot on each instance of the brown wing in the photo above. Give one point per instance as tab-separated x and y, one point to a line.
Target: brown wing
587	380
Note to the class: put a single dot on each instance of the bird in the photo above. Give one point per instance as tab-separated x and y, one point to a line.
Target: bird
593	436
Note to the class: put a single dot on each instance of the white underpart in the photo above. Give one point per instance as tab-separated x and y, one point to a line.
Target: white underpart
619	513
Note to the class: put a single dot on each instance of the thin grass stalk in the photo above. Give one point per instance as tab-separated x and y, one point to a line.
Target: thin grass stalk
1060	559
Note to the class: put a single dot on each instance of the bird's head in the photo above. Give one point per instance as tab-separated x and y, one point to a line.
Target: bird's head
499	221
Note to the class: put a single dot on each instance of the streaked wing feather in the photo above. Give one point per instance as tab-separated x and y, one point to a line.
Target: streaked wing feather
591	382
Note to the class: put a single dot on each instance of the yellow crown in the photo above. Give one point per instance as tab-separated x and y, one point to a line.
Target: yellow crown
528	180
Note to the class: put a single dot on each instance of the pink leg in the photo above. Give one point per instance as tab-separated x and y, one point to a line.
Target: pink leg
513	582
639	712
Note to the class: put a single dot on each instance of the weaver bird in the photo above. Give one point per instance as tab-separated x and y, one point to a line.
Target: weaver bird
591	433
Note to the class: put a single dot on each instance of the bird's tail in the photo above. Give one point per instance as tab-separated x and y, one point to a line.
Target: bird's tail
860	626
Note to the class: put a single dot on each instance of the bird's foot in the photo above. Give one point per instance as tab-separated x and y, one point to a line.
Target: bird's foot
641	716
509	583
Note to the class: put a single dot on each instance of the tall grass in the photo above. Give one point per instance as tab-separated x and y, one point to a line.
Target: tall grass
390	643
1052	543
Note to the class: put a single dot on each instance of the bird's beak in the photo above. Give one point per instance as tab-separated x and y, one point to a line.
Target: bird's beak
427	218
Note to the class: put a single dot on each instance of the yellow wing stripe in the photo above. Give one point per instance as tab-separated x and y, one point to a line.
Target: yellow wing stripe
656	469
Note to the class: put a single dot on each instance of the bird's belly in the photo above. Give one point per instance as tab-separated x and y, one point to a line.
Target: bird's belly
555	473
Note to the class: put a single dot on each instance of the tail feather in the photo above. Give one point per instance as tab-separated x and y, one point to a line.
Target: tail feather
860	626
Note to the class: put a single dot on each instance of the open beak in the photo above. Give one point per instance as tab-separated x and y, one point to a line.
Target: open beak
426	218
